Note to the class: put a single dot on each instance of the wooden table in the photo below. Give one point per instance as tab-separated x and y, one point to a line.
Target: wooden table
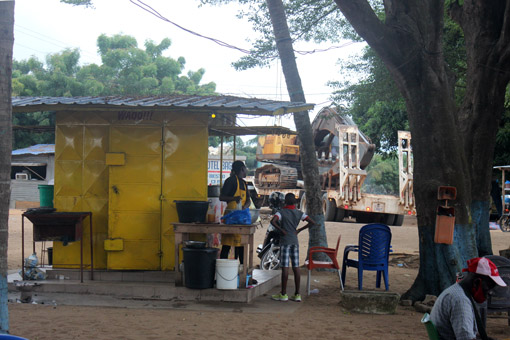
182	231
58	226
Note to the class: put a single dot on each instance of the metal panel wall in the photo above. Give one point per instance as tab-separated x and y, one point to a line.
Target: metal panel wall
81	181
184	174
165	160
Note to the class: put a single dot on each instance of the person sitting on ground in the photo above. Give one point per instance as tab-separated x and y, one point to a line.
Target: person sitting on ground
455	314
286	221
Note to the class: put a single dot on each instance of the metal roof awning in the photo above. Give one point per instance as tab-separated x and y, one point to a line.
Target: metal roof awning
193	104
215	130
249	130
27	164
36	149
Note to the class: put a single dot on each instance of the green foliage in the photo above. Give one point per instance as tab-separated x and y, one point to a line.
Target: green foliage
375	103
382	176
243	148
502	148
125	70
86	3
308	20
23	138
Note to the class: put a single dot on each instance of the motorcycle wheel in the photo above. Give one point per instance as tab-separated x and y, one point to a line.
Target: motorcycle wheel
271	259
505	223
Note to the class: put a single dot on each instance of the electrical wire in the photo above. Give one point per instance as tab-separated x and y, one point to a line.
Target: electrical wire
158	15
46	39
152	11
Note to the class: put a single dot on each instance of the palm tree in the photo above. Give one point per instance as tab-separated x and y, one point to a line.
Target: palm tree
302	121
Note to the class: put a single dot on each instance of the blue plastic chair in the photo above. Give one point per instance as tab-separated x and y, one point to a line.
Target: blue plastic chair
373	252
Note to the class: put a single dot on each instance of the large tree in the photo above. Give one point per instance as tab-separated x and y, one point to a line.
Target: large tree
6	44
453	144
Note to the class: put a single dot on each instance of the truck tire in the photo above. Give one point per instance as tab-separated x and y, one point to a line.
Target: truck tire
389	219
340	214
364	217
329	208
399	220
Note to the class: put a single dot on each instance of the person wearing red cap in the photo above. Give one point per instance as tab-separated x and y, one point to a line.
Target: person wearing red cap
455	314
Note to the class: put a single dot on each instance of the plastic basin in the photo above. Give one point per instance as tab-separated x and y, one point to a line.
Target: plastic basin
192	211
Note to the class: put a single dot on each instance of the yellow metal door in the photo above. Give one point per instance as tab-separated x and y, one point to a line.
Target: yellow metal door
134	198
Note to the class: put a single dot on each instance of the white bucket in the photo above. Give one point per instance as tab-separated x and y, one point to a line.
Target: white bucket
226	273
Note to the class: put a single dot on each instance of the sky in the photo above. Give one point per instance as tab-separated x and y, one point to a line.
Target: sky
44	27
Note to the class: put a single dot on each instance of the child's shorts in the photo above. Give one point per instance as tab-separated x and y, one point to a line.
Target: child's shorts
289	251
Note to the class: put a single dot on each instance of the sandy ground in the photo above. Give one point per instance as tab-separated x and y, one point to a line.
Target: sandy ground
318	316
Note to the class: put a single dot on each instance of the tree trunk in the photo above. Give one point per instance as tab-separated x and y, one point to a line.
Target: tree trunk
6	43
309	162
452	146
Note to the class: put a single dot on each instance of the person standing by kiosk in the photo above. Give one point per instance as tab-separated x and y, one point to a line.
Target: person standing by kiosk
235	193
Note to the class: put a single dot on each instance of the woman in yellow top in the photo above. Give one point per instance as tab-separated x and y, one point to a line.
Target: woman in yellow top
235	193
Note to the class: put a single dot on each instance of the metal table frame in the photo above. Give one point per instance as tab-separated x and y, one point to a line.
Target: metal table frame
73	218
182	231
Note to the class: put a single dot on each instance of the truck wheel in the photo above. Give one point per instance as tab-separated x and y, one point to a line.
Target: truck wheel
340	214
389	219
363	217
329	208
399	220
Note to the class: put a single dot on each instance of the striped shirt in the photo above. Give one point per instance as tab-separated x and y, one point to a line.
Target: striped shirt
453	315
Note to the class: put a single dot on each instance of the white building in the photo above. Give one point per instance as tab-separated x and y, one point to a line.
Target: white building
30	167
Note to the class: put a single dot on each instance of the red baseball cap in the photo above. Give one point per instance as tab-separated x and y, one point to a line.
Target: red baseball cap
484	266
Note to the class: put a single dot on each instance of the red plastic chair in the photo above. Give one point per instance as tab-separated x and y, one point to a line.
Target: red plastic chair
333	264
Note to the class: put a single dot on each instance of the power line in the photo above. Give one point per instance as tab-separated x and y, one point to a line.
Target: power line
154	12
31	48
48	40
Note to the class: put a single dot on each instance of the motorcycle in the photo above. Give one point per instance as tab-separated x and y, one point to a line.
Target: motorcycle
269	252
504	221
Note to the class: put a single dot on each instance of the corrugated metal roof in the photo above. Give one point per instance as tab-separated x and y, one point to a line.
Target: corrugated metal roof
249	130
35	149
222	104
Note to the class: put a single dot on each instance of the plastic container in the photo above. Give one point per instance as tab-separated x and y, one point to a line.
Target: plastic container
227	272
445	225
213	191
45	195
195	244
199	267
214	211
192	211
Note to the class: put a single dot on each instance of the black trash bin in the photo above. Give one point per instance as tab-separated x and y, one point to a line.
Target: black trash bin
199	267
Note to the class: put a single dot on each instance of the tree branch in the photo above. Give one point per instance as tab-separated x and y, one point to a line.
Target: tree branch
367	24
504	40
312	24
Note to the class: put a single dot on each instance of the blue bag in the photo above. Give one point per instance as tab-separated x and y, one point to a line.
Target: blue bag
237	217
